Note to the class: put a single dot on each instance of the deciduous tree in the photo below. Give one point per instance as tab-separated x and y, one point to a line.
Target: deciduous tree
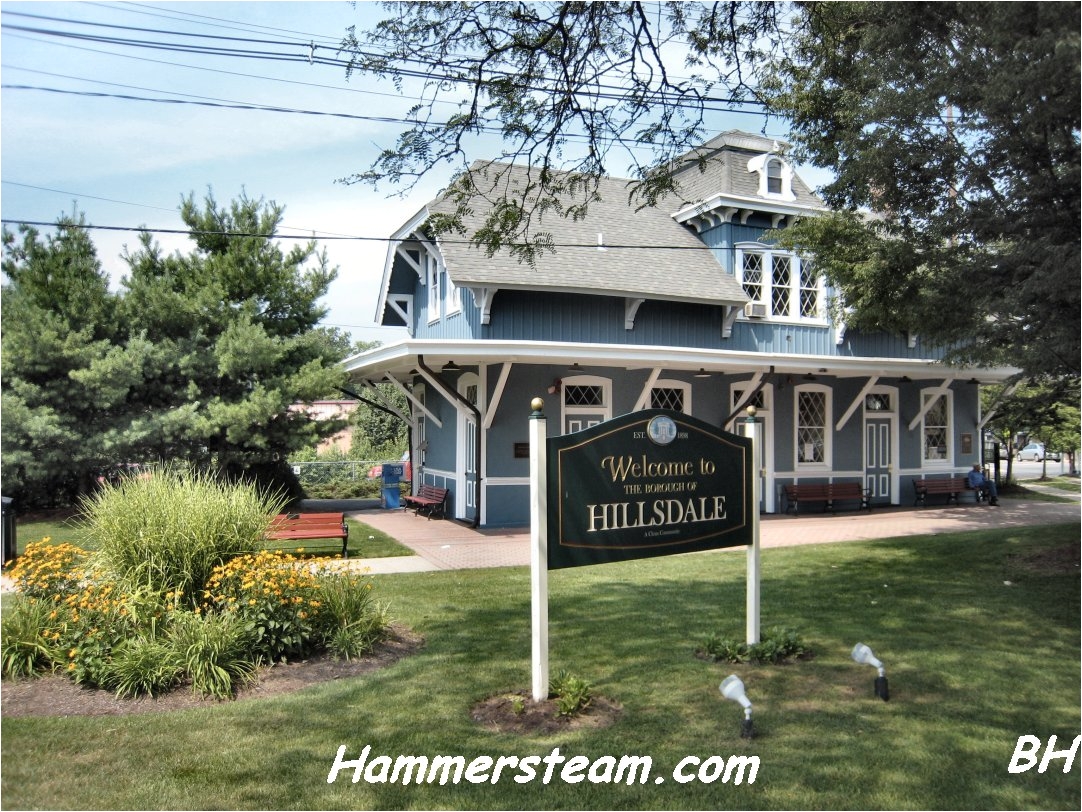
955	124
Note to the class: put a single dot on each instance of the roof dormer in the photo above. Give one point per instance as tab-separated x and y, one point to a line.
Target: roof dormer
775	176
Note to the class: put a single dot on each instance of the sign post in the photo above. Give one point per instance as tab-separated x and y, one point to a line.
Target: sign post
539	595
751	430
651	483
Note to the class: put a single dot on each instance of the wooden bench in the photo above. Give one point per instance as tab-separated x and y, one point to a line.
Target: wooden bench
952	487
298	526
827	492
428	500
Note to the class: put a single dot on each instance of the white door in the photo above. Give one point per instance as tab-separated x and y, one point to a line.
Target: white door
466	480
878	465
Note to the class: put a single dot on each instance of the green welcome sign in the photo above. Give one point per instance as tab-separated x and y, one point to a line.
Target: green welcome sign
650	483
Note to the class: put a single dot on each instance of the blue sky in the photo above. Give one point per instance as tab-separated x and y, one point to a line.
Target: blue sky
127	162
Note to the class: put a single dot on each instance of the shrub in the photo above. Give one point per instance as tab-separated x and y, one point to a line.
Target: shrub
27	646
350	622
99	620
572	694
775	645
170	529
214	651
142	666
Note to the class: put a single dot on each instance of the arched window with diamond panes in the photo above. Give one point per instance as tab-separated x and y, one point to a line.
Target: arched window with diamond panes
587	401
936	428
813	446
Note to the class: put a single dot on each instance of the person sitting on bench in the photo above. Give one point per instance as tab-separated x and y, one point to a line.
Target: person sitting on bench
978	482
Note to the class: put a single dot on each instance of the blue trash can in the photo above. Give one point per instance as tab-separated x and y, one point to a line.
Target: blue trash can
392	475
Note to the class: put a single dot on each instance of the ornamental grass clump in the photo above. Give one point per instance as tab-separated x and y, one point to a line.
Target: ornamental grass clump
27	646
214	651
350	621
169	530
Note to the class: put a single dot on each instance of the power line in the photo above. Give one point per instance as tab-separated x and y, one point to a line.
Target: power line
204	102
599	91
197	19
82	196
276	236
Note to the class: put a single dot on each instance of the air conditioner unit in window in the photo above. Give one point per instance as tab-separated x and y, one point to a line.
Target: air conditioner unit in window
755	310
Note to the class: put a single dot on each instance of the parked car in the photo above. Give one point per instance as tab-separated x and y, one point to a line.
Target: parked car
376	471
1036	453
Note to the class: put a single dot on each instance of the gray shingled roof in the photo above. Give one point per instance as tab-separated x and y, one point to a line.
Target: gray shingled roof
668	260
726	171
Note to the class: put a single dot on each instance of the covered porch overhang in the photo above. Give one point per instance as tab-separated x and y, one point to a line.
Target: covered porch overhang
399	361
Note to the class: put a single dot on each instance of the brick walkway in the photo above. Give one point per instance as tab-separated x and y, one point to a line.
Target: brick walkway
444	545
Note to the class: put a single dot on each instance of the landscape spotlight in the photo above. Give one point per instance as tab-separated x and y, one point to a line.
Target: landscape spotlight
863	655
732	688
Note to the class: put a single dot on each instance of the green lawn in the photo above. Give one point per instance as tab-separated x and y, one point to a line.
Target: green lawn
979	632
364	541
1059	483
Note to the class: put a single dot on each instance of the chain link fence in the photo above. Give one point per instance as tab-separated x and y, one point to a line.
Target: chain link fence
342	479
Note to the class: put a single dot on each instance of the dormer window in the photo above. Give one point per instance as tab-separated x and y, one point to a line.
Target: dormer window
775	176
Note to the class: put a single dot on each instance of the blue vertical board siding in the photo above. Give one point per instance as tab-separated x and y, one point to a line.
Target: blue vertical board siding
565	317
849	442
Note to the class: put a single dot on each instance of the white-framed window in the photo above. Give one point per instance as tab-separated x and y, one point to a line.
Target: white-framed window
775	177
674	395
469	387
432	275
452	296
812	440
760	400
586	400
935	429
422	425
786	283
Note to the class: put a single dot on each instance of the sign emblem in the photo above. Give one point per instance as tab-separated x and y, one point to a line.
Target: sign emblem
661	429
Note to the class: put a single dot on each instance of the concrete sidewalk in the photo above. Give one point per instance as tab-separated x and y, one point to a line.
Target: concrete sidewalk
447	545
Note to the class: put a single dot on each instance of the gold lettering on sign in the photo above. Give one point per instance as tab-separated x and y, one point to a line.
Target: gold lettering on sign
660	513
628	467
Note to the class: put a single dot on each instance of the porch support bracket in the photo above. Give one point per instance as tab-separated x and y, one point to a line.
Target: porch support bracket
859	399
397	384
938	392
